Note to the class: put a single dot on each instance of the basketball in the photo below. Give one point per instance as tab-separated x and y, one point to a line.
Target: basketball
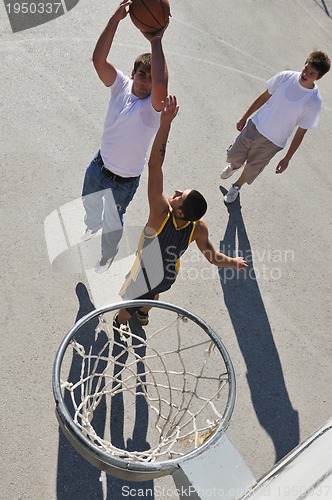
149	15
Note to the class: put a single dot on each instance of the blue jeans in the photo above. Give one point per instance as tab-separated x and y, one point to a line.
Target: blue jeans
105	202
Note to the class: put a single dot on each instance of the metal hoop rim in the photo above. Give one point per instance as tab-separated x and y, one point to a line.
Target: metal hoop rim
167	466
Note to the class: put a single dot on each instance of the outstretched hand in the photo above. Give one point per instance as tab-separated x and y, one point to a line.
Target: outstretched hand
169	110
240	264
122	9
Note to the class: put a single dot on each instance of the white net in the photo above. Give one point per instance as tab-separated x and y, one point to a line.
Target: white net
154	396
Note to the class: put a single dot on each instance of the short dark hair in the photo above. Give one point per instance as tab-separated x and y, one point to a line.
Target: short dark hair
320	61
144	59
194	206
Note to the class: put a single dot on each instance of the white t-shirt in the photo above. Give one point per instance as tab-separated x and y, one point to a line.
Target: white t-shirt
290	105
129	127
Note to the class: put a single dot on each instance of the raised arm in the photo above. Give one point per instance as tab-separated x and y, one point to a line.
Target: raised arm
201	236
157	200
159	72
258	103
106	71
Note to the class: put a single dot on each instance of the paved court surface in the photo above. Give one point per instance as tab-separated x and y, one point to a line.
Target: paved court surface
275	321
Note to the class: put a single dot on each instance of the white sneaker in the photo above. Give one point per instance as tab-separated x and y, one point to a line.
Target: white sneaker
232	194
103	264
88	234
227	172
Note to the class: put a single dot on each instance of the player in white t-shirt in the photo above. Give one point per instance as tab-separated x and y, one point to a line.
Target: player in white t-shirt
291	100
132	120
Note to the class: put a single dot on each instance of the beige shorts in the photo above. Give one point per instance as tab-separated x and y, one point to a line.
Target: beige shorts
253	149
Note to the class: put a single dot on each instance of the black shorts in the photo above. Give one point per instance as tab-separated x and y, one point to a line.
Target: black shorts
130	295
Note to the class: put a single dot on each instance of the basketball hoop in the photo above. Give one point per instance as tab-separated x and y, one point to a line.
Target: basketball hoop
138	407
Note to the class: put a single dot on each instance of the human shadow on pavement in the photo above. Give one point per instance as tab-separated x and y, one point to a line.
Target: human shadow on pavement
251	325
76	477
120	488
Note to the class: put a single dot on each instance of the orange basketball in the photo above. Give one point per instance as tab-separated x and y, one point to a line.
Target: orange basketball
149	15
